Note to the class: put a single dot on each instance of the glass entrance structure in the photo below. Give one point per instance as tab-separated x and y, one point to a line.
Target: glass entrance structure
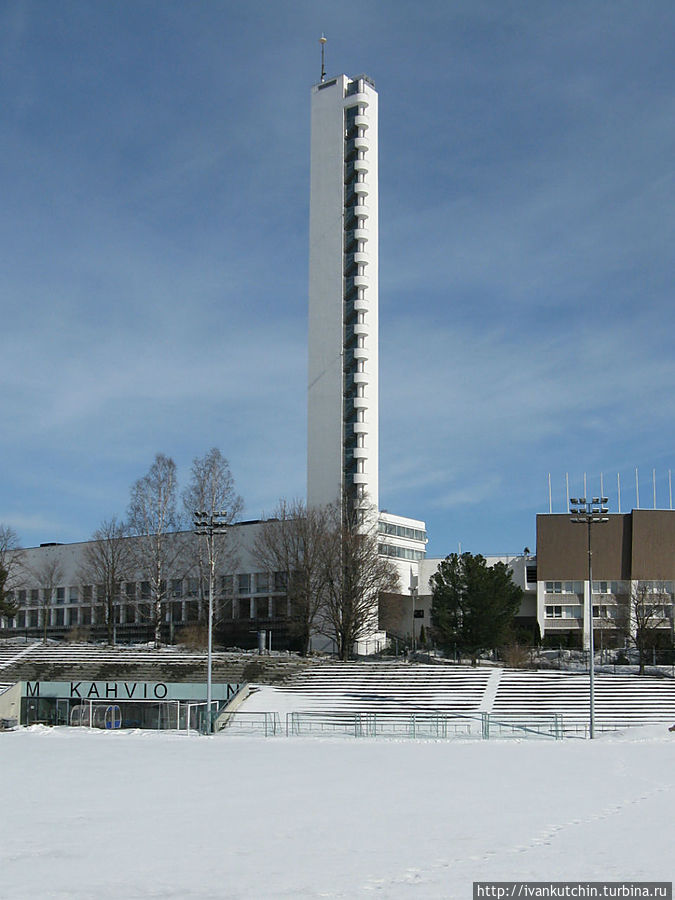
114	705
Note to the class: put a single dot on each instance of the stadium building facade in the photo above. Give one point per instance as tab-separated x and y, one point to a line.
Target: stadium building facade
633	578
58	596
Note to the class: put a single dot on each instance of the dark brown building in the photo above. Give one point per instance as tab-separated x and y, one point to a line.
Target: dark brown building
632	552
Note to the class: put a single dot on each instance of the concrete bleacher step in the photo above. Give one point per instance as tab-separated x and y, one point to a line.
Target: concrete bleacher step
49	662
509	693
629	698
391	688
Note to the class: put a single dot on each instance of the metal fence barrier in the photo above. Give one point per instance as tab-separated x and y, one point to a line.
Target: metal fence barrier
519	726
239	722
434	726
359	724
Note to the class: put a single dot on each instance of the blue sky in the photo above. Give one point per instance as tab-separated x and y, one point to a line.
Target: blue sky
154	214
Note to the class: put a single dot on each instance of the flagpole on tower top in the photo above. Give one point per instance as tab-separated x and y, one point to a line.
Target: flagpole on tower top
322	41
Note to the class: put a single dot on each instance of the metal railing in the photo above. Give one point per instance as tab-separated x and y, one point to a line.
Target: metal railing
420	726
238	722
370	724
523	726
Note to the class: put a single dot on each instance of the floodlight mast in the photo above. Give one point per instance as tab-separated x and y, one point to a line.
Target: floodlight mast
208	525
590	512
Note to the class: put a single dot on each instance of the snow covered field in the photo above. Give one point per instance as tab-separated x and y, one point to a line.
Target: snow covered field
149	814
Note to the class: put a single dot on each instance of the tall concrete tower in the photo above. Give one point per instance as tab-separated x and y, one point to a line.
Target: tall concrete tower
342	443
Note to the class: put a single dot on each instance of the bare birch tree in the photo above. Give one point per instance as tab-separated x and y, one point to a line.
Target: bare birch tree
11	570
48	574
295	541
211	494
356	575
107	561
641	614
153	518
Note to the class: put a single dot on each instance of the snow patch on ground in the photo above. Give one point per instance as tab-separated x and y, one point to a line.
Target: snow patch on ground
137	814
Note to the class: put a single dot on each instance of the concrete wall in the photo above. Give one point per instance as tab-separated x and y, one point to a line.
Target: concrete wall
562	548
653	546
639	545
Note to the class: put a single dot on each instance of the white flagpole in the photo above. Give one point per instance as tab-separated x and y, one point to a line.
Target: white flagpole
637	490
654	485
670	487
550	496
567	488
618	488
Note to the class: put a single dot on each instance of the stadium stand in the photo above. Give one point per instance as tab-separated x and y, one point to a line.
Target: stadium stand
384	687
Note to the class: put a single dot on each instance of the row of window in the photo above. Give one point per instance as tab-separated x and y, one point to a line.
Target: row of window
564	612
247	583
615	588
400	552
601	611
658	587
256	583
351	129
564	587
355	218
402	531
357	390
42	596
356	86
360	320
132	614
357	414
657	610
577	612
354	179
351	112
